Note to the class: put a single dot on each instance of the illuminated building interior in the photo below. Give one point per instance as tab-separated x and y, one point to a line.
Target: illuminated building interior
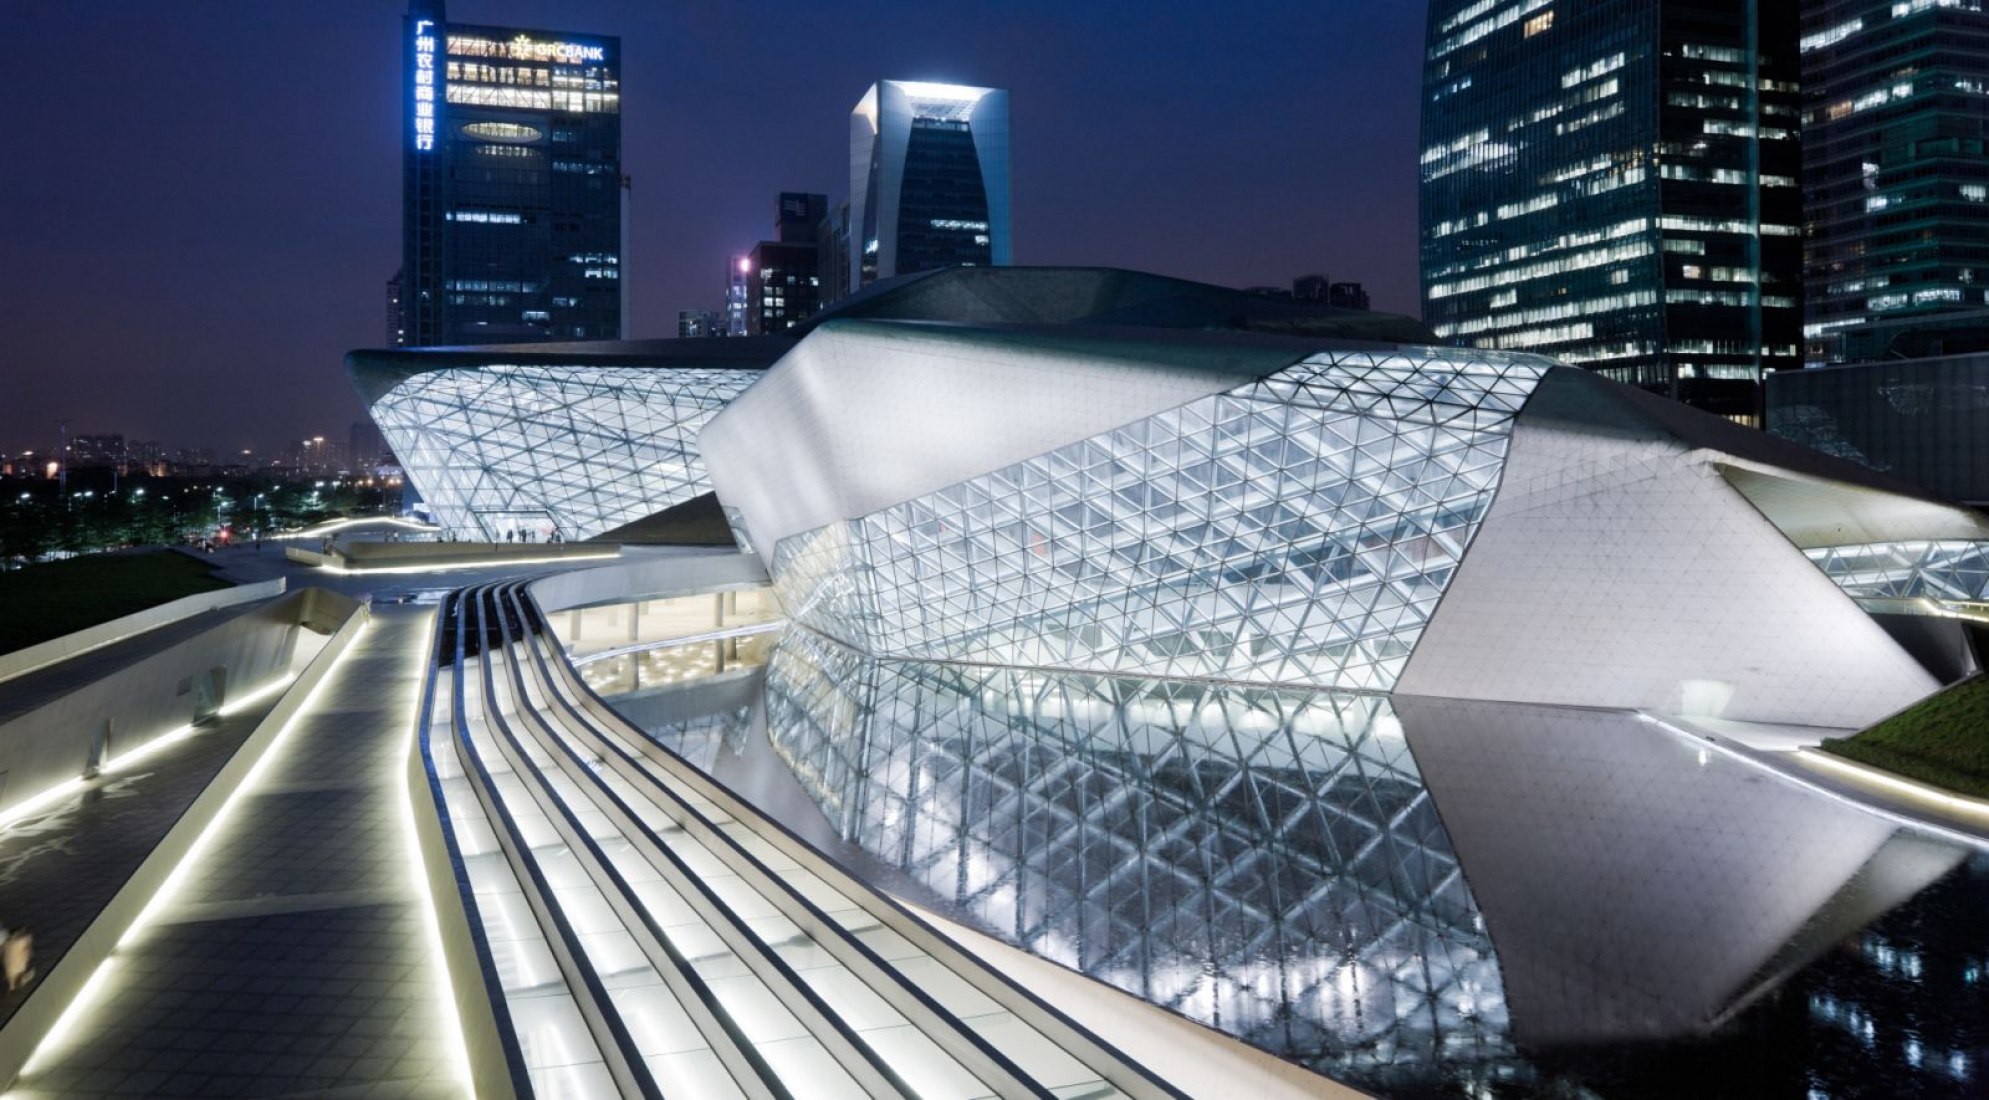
1615	184
512	213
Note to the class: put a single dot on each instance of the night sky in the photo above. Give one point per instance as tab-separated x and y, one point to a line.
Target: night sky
201	200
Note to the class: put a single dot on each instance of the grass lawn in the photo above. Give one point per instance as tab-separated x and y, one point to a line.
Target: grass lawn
60	597
1943	740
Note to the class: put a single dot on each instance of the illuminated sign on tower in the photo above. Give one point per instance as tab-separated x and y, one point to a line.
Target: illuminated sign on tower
511	184
424	85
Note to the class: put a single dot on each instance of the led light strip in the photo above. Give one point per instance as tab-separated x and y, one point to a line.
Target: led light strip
29	806
52	1041
1704	742
445	567
1908	787
452	1023
65	1023
199	847
317	532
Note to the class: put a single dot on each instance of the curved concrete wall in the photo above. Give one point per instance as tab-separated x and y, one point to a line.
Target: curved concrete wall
154	695
138	622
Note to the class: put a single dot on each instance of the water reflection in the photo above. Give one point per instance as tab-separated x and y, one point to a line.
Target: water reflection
1538	900
1637	885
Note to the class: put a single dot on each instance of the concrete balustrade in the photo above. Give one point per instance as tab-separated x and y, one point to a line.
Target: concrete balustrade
55	650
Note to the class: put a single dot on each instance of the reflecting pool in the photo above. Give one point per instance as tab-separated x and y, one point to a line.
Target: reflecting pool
1418	897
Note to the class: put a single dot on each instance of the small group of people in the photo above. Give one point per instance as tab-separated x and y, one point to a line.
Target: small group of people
17	954
526	534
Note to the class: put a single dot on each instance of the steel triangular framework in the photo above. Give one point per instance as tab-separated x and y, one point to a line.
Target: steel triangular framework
1939	569
580	450
1298	529
1265	862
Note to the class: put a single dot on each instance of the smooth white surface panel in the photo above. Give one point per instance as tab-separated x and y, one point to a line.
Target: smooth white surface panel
1617	571
863	415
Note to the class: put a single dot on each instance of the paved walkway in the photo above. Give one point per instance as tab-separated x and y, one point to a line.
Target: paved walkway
61	866
293	959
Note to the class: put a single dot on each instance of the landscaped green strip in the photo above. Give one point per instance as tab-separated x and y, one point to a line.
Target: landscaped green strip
1943	740
47	601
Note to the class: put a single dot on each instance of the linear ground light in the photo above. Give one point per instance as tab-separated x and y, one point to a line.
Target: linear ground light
1703	743
1972	807
340	525
33	804
59	1032
125	760
431	923
79	1008
445	567
177	878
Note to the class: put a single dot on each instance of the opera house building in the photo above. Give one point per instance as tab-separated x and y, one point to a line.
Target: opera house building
1099	684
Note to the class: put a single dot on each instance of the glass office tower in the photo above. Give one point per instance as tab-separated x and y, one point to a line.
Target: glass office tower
512	206
1614	182
928	179
1895	104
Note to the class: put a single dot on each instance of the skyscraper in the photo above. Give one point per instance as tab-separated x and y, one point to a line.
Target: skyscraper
1614	182
698	323
738	295
928	179
1895	181
512	177
786	284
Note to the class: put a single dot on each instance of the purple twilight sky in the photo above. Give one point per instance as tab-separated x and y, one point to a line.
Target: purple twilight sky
202	206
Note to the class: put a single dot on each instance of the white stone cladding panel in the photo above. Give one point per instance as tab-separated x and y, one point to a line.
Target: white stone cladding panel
1621	572
860	417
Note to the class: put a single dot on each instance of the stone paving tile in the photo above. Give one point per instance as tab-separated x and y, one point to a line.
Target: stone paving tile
335	997
58	868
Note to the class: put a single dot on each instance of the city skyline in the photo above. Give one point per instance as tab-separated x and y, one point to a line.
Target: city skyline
238	220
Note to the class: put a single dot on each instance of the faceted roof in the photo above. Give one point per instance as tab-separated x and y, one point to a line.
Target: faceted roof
1088	297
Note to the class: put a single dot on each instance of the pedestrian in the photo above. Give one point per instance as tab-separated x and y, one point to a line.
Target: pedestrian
16	956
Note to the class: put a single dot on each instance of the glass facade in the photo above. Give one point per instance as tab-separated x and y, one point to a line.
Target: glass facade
1925	421
783	288
544	449
1614	183
1895	179
1940	569
943	206
1297	529
513	185
1265	863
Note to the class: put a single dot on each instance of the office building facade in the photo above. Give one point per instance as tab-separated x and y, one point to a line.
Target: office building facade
1924	421
784	285
1615	183
696	323
1895	182
929	179
512	205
